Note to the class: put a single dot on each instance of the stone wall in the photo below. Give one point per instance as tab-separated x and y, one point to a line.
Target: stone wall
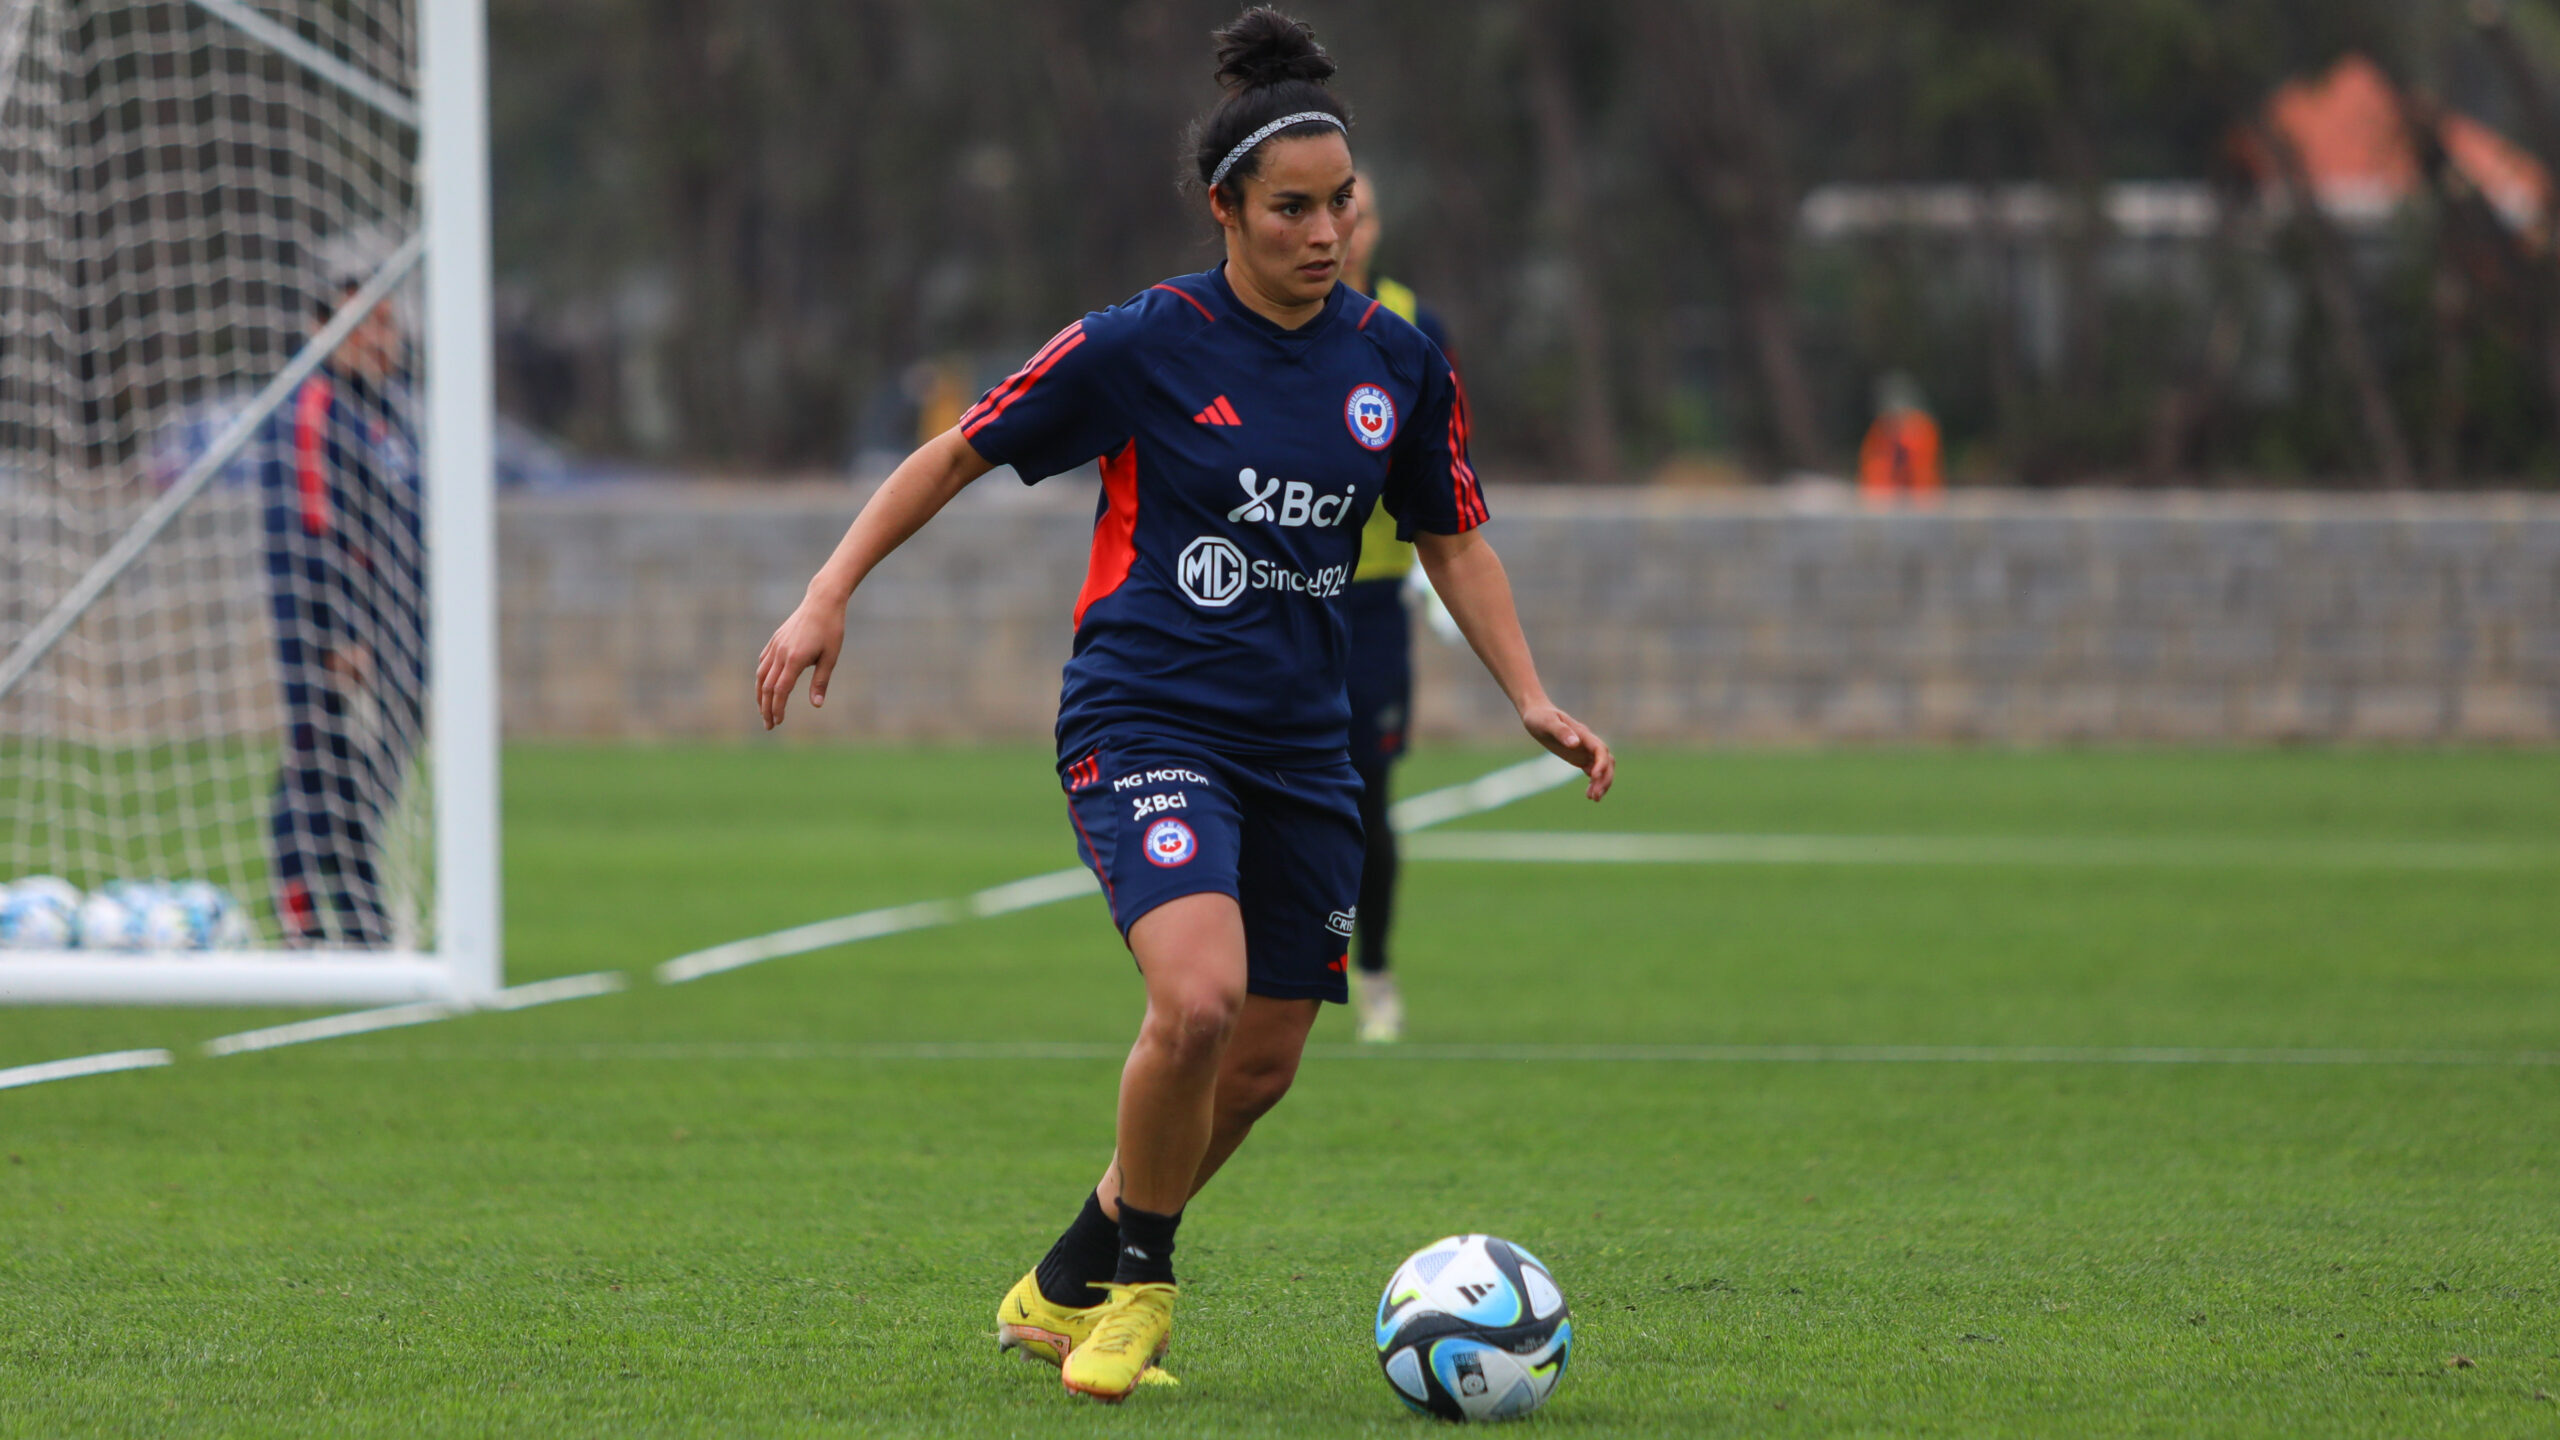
1657	615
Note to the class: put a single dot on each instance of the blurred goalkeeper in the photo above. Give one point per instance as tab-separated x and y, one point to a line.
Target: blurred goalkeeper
345	570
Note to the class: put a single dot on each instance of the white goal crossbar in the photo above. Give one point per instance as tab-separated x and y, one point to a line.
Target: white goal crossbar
464	963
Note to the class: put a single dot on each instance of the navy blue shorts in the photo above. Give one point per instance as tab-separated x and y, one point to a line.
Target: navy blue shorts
1159	819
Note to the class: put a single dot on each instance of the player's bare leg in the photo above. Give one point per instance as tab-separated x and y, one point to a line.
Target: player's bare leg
1191	952
1260	1063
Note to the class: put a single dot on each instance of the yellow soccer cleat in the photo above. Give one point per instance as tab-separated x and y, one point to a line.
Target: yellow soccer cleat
1026	1321
1129	1335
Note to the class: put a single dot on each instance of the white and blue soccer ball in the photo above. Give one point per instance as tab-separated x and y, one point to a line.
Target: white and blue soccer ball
51	888
137	895
1473	1328
106	922
39	913
216	920
161	923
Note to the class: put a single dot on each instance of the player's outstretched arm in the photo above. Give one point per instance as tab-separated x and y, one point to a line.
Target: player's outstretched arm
1477	590
813	638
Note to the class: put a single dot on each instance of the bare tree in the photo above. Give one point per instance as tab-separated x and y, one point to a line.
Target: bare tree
2333	282
1710	99
1562	164
2542	133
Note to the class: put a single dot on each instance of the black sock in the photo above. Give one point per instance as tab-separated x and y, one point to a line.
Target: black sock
1146	1246
1088	1254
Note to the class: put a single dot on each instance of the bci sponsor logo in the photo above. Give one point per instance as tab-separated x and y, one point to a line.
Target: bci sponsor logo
1290	502
1146	805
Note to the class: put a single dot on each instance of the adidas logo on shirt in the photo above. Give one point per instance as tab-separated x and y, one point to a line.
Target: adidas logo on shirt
1219	412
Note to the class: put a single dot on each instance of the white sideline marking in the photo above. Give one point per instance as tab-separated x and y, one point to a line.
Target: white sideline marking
868	925
1599	848
564	987
1520	1054
71	1069
1038	890
1486	792
329	1027
392	1017
1489	792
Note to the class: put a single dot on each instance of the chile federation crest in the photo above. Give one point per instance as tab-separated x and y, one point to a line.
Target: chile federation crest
1170	843
1371	414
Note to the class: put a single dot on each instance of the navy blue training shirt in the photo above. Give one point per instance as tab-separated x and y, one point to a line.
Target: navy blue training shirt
1239	461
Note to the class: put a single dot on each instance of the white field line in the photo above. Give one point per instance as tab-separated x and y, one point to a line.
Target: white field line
1574	847
78	1066
392	1017
1501	1054
1487	792
1038	890
329	1027
553	991
800	939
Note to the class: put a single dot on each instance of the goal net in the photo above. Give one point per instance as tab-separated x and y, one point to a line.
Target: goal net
218	484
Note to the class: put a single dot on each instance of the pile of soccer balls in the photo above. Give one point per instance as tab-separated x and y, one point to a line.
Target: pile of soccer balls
1473	1328
44	912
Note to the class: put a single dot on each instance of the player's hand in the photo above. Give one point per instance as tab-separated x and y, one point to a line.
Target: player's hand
811	640
1575	743
351	663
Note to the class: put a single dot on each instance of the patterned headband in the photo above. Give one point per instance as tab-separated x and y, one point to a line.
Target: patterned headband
1245	146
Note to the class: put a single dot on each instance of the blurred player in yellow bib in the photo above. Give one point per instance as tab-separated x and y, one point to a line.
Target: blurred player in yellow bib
1380	679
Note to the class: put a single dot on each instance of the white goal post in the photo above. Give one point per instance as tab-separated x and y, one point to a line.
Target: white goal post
248	675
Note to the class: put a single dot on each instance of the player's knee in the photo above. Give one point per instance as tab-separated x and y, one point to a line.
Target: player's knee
1194	1022
1249	1092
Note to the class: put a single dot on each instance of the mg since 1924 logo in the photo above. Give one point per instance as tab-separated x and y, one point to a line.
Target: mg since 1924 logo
1211	572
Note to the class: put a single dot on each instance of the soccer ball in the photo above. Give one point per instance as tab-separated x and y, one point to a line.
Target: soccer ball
161	923
107	923
1473	1328
51	888
137	895
217	921
36	915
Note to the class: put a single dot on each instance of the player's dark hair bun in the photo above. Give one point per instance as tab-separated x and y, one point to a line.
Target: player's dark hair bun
1263	47
1271	67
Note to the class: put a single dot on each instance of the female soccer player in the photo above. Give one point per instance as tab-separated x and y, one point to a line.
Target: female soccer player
1247	419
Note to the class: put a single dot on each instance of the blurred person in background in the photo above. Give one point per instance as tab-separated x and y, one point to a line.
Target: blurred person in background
1380	667
340	491
1899	461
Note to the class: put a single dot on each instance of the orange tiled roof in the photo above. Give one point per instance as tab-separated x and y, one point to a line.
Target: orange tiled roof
2351	129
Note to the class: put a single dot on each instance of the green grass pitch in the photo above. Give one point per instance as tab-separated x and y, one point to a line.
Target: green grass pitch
727	1208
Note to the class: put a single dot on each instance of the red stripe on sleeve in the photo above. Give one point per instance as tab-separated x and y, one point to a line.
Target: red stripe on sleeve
1365	314
1115	545
1193	300
1018	377
1019	383
311	453
1469	495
